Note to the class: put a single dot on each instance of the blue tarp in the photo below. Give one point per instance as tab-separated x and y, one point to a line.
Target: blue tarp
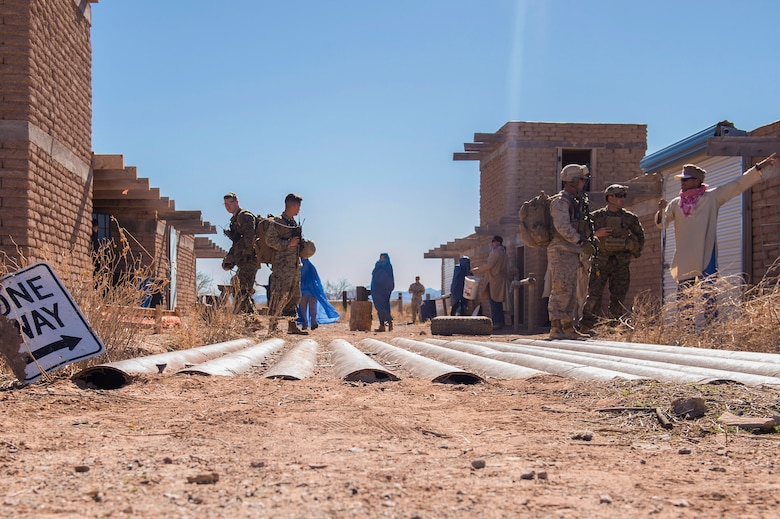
311	284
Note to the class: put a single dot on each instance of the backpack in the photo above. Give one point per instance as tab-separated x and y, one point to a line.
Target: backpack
263	251
536	227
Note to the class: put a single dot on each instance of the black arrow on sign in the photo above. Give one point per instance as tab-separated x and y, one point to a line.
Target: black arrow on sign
66	341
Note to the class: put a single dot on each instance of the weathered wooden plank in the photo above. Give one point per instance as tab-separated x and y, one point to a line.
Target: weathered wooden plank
470	155
120	174
128	194
742	146
108	162
747	422
130	205
489	137
106	184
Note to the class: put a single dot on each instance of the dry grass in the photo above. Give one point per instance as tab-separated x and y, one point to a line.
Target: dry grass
721	313
109	296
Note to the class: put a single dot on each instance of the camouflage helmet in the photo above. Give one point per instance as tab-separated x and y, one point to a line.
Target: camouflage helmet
616	189
574	172
308	248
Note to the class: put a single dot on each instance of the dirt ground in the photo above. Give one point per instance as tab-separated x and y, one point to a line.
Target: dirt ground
194	446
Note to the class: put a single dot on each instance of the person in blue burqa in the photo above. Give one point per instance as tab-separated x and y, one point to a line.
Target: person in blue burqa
460	305
382	285
314	308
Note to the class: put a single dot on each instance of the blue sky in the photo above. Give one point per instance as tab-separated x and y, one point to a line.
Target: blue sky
358	106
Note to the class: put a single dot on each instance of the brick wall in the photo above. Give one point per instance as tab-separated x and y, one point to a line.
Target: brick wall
525	161
45	131
765	215
186	295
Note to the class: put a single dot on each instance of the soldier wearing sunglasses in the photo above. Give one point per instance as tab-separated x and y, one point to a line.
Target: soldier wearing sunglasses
621	237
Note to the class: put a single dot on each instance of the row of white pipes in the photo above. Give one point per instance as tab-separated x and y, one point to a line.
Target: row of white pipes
459	361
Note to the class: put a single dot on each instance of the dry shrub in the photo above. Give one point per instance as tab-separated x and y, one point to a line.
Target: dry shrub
717	313
109	295
211	324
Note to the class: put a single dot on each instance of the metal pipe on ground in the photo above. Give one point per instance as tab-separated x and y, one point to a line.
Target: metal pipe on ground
235	363
113	375
767	364
351	364
669	368
419	366
576	370
296	364
747	362
484	366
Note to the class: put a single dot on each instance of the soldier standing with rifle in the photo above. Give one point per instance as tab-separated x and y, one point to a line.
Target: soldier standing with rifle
573	237
284	236
624	239
241	232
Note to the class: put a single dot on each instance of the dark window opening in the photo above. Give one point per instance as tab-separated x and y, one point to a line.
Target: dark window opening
581	157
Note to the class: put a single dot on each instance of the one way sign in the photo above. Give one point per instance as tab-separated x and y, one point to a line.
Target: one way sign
53	330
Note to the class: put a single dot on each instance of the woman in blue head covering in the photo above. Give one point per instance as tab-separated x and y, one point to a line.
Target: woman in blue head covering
460	305
314	308
382	285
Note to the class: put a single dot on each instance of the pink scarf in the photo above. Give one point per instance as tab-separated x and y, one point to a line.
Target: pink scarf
689	197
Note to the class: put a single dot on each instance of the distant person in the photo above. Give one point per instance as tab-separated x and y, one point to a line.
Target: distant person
382	285
417	290
322	312
695	216
307	306
460	305
284	237
494	280
624	239
241	232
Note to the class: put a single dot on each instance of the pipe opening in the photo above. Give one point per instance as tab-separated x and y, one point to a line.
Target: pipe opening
458	378
370	376
101	377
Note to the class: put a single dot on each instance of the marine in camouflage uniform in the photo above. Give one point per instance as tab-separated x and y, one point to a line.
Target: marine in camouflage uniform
571	234
241	232
284	237
624	238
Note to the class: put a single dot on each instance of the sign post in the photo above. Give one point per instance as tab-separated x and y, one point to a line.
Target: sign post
52	330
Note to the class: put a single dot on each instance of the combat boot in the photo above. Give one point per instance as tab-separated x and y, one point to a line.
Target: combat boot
569	329
292	328
381	327
390	326
556	331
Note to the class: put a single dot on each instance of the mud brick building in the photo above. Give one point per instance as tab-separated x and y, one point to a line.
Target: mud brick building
51	186
523	158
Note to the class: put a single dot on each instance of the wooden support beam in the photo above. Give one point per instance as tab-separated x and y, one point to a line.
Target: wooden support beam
129	194
131	205
205	248
475	146
180	215
108	161
103	184
489	137
742	146
469	155
118	174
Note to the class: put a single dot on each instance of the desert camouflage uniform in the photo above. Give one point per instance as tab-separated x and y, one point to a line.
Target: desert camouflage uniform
417	290
286	265
563	255
241	232
612	264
